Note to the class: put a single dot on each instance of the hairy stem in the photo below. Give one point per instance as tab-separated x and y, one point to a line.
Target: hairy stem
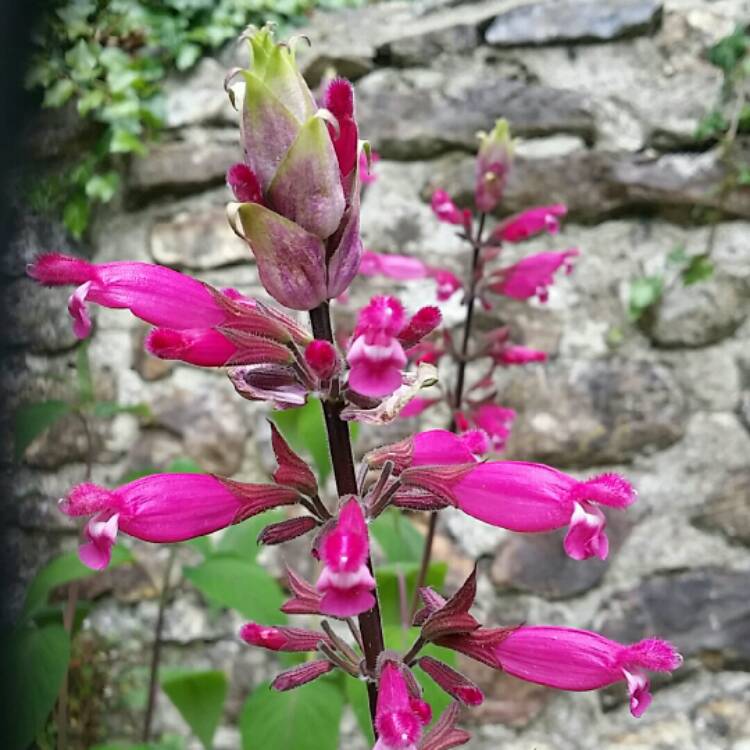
342	459
476	243
153	679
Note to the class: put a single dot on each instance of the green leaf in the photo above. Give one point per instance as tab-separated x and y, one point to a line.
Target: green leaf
644	292
356	695
241	585
307	718
678	256
387	577
32	420
397	537
729	50
90	101
184	466
102	187
107	409
700	268
199	697
64	569
124	142
76	215
82	59
241	539
187	56
33	662
59	93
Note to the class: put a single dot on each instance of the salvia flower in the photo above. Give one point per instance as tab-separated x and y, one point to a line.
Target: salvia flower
302	221
346	581
446	210
530	497
495	421
514	354
322	359
531	222
399	716
493	164
533	275
376	356
570	659
165	508
279	638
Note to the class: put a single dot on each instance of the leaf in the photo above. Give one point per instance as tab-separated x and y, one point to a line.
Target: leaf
307	718
356	695
76	215
678	256
90	101
387	577
106	409
102	187
700	268
33	662
397	537
184	466
199	697
241	585
644	292
59	93
241	539
187	56
82	59
32	420
124	142
63	569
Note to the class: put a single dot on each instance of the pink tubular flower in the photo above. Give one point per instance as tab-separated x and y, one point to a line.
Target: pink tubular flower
399	717
530	222
494	160
158	295
532	276
519	355
281	638
496	421
421	324
530	497
417	406
447	283
346	581
165	508
376	356
570	659
446	210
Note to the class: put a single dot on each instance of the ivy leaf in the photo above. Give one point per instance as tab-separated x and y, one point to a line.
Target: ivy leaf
102	187
187	56
644	292
82	60
241	585
266	719
33	662
124	142
32	420
59	93
60	570
700	268
199	697
76	215
90	101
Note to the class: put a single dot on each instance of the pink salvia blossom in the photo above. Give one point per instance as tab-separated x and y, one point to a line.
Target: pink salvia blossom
165	508
158	295
519	355
339	100
282	638
376	356
244	184
530	497
532	276
496	421
421	324
446	210
399	717
447	283
570	659
346	581
322	359
417	406
530	222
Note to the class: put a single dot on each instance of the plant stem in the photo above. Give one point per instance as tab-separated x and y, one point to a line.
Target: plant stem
476	243
153	679
342	460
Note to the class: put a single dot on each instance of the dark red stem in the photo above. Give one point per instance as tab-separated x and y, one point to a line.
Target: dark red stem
342	460
476	243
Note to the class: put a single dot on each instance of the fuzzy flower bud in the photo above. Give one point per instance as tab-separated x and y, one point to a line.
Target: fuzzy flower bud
494	160
422	324
322	359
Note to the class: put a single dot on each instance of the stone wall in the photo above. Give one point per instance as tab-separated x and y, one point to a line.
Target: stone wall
606	95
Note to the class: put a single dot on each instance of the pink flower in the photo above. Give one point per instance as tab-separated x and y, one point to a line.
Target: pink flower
158	295
376	356
281	638
367	172
447	283
399	717
339	100
494	160
496	421
244	184
346	581
519	355
165	508
446	210
570	659
532	276
530	222
416	406
322	359
530	497
421	324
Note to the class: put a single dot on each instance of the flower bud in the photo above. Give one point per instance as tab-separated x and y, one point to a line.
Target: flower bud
322	359
494	160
